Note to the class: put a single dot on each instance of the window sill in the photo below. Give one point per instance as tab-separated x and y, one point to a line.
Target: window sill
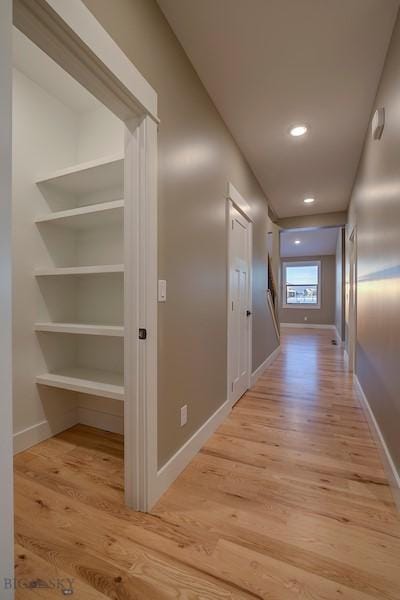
303	306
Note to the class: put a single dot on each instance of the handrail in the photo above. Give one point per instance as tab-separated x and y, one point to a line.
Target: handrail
272	309
271	281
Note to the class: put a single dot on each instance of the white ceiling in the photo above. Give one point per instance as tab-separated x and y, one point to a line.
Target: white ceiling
39	67
313	242
269	64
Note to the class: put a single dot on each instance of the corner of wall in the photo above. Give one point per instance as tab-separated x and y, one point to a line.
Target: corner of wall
26	438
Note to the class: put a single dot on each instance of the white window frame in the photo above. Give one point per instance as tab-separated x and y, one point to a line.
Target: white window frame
296	263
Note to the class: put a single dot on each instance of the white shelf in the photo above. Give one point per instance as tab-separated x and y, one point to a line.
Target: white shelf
92	270
86	381
85	217
88	177
81	328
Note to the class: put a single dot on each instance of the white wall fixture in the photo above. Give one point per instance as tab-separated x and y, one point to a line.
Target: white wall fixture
298	130
184	415
378	123
162	290
96	227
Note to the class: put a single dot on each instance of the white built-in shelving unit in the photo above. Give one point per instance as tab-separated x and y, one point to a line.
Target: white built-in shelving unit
81	281
84	245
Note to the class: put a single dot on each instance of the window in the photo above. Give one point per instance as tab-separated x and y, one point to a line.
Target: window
301	284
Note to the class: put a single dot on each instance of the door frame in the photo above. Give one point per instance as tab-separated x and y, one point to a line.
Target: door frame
352	324
236	200
73	38
6	456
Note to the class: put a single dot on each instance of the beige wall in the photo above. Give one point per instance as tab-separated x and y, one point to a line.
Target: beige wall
317	316
197	157
375	210
340	284
334	219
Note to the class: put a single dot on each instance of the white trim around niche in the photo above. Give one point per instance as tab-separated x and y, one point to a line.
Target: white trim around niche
74	39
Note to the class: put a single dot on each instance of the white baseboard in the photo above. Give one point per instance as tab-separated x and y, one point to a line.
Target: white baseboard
309	325
260	370
339	337
26	438
176	464
22	440
388	463
101	420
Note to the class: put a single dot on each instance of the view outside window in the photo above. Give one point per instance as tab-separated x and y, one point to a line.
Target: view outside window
301	283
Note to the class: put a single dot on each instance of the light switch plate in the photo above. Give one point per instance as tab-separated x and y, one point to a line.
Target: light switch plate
162	290
378	123
183	415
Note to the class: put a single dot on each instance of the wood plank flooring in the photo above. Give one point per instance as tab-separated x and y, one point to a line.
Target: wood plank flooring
288	500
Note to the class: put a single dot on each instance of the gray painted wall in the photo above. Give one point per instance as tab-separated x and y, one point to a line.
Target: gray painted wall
197	157
6	508
375	210
340	284
317	316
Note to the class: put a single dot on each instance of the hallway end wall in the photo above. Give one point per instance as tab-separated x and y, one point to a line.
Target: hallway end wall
197	158
375	211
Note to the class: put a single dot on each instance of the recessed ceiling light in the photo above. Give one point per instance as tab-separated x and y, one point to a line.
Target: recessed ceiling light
298	130
297	241
309	200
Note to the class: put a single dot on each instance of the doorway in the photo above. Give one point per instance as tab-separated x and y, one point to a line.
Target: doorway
239	303
93	242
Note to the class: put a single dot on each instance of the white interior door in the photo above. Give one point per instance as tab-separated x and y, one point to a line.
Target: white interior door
240	305
352	343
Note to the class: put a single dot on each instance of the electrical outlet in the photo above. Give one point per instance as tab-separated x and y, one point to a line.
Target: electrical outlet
183	415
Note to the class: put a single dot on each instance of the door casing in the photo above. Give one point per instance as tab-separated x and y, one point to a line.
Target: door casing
6	457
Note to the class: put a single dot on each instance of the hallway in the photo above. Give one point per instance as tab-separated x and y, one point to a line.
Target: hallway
287	500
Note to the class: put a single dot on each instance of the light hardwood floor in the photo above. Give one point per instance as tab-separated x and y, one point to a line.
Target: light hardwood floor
288	500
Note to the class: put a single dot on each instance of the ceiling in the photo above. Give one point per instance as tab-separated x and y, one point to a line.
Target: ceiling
313	242
269	64
39	67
